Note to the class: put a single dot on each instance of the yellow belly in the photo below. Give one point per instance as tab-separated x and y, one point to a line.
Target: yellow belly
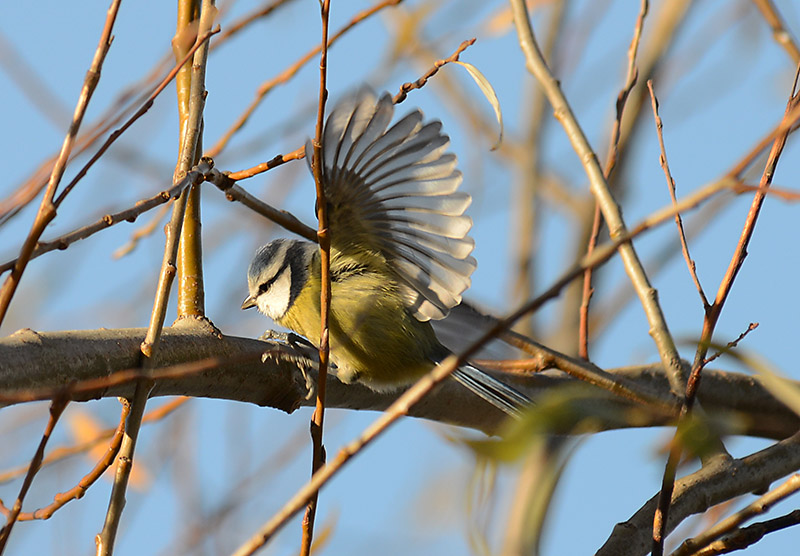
373	338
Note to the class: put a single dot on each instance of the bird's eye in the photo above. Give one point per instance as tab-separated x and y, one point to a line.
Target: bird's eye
265	286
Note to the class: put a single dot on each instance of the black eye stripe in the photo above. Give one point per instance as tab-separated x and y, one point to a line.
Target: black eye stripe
263	288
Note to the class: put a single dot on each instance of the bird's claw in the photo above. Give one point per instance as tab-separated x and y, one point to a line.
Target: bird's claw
304	360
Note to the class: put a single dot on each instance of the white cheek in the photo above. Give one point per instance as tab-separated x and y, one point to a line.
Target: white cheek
275	302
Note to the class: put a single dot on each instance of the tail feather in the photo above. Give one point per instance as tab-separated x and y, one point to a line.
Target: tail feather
497	393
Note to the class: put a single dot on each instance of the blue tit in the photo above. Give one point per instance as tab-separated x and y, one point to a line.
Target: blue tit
400	252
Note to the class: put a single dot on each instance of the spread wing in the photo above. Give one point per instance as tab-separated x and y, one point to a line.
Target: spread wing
392	194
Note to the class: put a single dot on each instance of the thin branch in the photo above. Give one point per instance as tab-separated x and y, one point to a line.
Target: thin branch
318	456
186	11
289	73
297	154
281	217
104	540
742	538
611	163
732	523
56	409
28	250
659	330
61	453
720	480
47	208
666	22
77	492
732	344
780	33
690	263
730	181
201	40
195	176
713	312
142	232
407	87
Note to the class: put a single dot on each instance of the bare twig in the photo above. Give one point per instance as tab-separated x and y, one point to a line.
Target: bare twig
666	22
195	176
187	10
201	40
58	454
407	87
28	250
671	186
297	154
730	181
289	73
56	409
732	344
80	489
611	211
142	232
720	480
47	208
780	33
281	217
323	236
712	315
105	539
742	538
611	163
760	506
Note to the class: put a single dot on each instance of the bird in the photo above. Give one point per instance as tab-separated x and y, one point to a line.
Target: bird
400	253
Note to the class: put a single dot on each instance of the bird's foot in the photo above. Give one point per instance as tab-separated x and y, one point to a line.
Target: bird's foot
304	360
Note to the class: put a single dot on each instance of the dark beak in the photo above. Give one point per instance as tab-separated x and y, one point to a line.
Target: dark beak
249	302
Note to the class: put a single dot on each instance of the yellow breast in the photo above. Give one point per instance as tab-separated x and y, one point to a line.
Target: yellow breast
373	337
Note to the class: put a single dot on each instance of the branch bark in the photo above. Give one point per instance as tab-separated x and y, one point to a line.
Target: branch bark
41	365
721	479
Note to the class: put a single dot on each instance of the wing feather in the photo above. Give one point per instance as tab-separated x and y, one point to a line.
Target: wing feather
392	197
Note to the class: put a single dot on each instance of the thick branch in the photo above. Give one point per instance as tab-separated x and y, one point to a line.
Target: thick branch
720	480
46	363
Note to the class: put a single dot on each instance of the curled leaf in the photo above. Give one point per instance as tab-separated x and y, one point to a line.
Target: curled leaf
488	92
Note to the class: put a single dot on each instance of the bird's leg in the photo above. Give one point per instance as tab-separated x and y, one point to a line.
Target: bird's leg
305	359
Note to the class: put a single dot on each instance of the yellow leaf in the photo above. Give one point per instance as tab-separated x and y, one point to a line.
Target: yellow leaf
488	91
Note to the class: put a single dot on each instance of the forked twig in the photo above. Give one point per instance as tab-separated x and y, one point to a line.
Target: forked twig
47	208
77	492
712	314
